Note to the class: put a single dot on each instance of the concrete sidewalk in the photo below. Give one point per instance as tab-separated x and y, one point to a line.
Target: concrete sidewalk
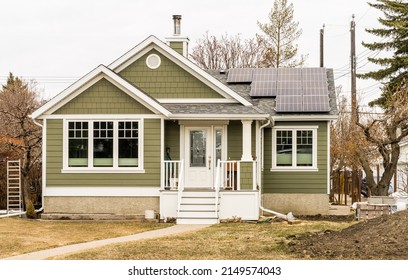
44	254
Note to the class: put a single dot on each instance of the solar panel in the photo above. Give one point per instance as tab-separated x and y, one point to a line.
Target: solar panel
314	81
240	75
289	87
265	74
289	103
289	81
290	74
316	103
263	89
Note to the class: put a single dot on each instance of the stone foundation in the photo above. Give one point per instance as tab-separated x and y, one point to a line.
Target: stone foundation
298	204
98	208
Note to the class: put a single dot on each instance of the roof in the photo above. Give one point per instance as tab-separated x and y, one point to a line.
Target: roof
238	102
267	105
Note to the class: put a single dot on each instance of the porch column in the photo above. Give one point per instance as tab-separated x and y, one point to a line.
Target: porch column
246	140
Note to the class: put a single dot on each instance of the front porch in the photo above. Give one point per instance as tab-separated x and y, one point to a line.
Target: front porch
234	194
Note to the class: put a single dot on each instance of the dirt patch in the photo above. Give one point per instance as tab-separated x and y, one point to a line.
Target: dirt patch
383	238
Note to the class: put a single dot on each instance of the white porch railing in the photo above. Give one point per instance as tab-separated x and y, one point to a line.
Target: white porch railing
217	184
174	178
173	171
229	175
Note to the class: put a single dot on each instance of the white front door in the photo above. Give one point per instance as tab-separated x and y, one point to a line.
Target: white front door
199	165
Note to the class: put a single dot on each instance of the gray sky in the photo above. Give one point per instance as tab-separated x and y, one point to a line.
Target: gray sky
56	42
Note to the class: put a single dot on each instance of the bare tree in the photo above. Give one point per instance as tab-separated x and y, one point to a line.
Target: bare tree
226	52
21	136
385	132
279	37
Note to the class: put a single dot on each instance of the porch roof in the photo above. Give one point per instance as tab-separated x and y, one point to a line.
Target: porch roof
212	108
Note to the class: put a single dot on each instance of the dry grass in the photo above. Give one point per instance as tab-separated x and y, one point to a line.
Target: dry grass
19	236
223	241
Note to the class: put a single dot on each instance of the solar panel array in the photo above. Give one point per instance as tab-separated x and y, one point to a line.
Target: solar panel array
295	89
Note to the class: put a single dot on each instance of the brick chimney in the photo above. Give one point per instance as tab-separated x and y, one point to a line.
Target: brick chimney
177	42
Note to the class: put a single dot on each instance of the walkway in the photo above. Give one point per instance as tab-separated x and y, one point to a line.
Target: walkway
44	254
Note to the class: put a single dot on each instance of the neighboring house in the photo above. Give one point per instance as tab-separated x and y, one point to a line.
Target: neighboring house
399	182
152	131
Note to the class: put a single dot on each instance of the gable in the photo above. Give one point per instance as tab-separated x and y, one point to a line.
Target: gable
103	98
168	81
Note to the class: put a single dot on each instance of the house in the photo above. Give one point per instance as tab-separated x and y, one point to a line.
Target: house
152	131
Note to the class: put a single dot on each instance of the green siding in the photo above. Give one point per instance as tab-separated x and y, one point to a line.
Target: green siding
297	182
167	81
253	139
234	140
103	98
246	175
177	46
152	151
172	139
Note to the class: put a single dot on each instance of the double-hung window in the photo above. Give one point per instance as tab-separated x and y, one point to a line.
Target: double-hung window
294	148
96	145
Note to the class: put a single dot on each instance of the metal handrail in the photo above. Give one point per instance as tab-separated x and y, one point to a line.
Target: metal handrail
180	185
217	185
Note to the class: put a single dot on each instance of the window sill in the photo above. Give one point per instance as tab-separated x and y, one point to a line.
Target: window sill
102	170
294	169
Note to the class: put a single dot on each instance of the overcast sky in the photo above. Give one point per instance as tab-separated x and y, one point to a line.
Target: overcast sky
56	42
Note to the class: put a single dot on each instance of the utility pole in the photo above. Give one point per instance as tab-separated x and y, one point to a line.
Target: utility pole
353	64
355	184
322	46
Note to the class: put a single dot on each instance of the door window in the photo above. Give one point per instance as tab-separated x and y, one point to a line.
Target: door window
198	146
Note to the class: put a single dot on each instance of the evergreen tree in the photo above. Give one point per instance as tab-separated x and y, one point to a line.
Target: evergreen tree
279	37
394	71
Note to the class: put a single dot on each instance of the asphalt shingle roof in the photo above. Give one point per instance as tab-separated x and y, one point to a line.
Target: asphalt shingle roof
260	106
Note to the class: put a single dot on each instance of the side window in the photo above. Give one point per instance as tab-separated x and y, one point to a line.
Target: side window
294	148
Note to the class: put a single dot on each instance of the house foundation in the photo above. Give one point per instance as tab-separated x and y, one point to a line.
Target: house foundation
98	208
297	203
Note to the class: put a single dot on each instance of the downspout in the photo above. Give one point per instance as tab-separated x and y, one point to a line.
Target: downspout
289	216
42	187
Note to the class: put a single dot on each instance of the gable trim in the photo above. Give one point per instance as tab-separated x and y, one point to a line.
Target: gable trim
90	79
132	55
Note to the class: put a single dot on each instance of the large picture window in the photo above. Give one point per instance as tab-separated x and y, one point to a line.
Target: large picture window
103	145
294	148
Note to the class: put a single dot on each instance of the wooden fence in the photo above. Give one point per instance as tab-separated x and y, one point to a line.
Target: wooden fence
345	187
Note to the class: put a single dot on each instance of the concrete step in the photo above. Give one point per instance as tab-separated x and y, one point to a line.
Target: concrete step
197	214
198	200
198	194
198	206
197	221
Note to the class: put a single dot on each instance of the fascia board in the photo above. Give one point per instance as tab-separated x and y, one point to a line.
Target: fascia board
54	102
305	118
218	117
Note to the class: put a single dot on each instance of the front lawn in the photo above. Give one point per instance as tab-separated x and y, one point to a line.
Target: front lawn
223	241
20	236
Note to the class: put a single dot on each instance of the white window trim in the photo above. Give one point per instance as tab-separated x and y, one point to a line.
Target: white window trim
295	168
90	168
